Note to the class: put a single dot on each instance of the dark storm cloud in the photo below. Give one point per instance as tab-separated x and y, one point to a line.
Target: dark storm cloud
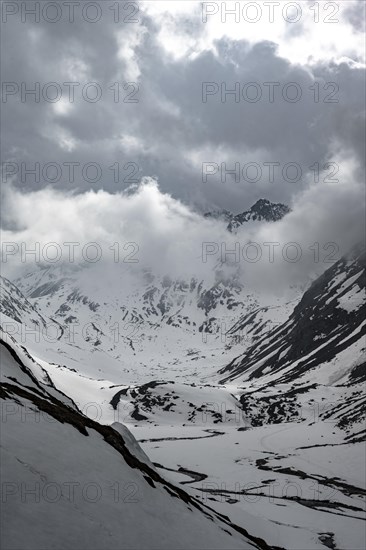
170	132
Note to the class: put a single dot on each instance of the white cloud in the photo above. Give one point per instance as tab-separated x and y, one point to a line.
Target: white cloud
320	31
168	236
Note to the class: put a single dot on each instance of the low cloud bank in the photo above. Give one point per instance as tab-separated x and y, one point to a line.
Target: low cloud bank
144	229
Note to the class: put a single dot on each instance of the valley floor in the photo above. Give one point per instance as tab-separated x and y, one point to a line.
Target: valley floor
296	486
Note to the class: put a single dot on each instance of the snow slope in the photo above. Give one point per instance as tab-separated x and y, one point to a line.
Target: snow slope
69	482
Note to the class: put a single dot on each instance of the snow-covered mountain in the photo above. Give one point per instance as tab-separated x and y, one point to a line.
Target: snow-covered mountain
144	326
320	350
328	319
156	341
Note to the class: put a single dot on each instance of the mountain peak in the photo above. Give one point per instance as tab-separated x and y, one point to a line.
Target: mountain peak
270	211
260	203
262	210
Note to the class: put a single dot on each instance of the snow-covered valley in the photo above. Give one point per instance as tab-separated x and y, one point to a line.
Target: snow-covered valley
253	409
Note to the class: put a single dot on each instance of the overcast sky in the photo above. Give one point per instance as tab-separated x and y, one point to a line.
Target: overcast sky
160	126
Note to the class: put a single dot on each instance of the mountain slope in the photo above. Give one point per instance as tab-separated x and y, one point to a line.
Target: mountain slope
93	492
328	319
319	351
14	305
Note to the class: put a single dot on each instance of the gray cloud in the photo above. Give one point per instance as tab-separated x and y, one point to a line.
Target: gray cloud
170	131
